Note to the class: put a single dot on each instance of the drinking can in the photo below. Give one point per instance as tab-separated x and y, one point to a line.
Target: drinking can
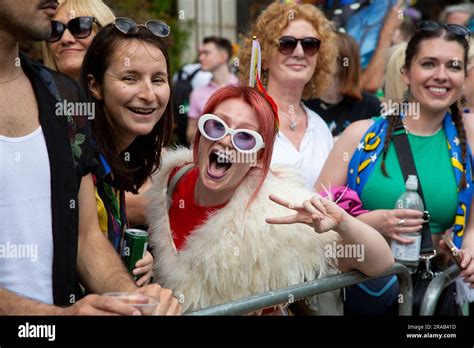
134	247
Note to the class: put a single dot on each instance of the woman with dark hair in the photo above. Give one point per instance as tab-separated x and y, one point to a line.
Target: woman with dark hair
208	209
126	74
344	101
435	71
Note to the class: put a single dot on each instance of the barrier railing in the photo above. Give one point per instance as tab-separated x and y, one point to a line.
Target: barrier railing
318	286
436	287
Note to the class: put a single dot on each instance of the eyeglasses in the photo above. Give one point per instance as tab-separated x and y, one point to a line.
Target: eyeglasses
127	26
244	140
455	29
287	45
79	27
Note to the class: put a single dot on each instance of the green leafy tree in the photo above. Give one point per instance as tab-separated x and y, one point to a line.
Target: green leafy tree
165	10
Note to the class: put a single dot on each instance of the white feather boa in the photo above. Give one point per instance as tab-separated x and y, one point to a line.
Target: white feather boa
236	254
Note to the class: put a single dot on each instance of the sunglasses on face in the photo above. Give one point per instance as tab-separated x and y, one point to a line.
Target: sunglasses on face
455	29
287	45
127	26
79	27
244	140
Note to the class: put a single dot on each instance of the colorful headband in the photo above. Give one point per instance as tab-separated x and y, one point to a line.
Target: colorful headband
254	78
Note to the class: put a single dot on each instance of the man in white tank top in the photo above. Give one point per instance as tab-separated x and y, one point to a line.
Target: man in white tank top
48	211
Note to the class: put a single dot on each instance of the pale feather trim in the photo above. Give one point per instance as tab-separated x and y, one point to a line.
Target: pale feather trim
236	253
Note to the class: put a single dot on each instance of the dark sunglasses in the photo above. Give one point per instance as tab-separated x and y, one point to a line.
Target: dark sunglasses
79	27
287	45
455	29
127	26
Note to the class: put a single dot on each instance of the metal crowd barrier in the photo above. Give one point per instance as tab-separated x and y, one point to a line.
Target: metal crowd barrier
436	287
318	286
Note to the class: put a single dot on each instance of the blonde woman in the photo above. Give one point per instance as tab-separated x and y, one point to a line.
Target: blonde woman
298	62
73	27
394	85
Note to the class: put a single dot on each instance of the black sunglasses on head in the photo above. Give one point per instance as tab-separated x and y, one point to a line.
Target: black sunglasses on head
79	27
455	29
287	45
127	26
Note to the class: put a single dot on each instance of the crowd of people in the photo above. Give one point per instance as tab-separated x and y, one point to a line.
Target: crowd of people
264	182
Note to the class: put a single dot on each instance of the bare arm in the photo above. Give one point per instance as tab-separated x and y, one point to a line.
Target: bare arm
99	267
13	304
191	130
334	172
376	254
100	270
136	205
325	215
372	77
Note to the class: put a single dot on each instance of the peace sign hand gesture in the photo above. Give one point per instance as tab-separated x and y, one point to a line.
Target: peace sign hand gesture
318	212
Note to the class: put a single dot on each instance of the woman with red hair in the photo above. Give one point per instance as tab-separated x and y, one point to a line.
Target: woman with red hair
208	211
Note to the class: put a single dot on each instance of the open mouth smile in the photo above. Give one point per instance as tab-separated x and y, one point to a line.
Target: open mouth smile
141	111
219	164
438	91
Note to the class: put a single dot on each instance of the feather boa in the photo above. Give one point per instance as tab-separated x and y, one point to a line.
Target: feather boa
236	254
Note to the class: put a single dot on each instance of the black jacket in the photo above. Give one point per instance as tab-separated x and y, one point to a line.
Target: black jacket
68	142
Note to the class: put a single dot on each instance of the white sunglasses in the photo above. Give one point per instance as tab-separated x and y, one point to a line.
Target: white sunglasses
244	140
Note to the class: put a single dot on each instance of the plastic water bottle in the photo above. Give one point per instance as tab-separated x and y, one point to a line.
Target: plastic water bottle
409	254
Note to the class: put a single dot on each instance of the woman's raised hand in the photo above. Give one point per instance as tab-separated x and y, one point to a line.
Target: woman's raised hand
318	212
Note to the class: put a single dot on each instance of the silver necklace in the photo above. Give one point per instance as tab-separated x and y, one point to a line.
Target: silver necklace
293	123
407	131
292	126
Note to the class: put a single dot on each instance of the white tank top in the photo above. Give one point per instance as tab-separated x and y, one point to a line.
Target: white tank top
26	237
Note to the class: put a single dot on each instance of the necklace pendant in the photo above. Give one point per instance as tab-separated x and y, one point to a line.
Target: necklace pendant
292	125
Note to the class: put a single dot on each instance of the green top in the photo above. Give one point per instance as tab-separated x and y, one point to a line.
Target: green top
436	175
